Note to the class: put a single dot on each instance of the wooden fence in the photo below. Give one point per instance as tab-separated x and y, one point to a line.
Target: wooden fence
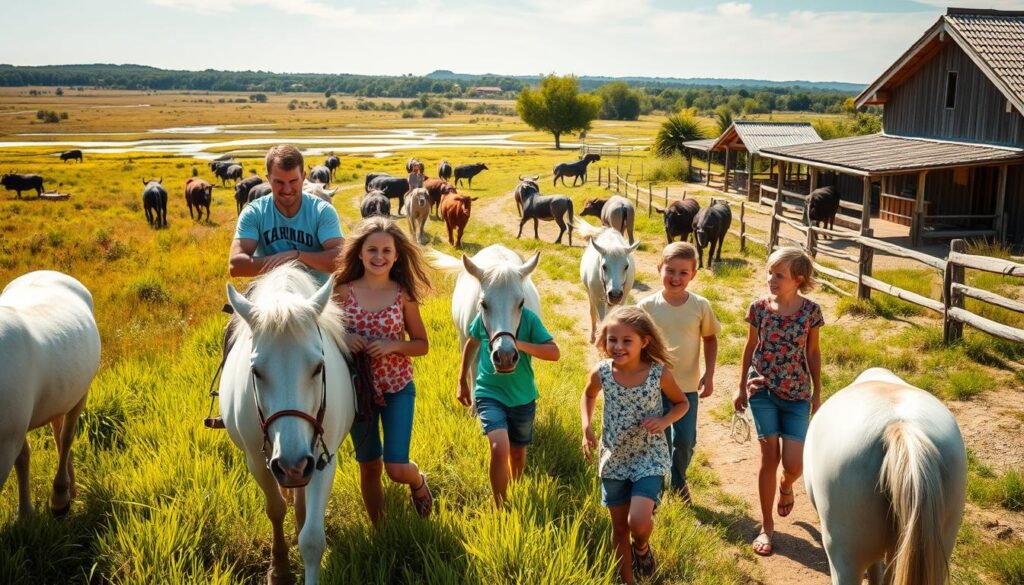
606	150
954	289
623	186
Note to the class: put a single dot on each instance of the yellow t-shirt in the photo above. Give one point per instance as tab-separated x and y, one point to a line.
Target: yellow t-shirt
683	328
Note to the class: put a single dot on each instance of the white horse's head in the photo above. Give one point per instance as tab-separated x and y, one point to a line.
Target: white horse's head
618	268
501	306
290	320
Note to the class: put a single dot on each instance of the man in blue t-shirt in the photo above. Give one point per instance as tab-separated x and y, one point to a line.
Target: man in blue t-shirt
288	226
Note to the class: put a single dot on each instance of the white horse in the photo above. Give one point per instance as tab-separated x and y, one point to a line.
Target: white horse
417	210
886	469
496	284
607	269
287	401
51	351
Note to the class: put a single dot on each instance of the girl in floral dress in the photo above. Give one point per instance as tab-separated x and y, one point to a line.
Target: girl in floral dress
379	282
780	380
634	451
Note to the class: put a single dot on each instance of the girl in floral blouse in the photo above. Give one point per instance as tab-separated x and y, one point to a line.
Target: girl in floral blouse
379	282
634	451
781	379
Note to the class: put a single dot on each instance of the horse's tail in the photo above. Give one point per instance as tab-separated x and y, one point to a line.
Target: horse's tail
569	212
443	262
586	229
911	477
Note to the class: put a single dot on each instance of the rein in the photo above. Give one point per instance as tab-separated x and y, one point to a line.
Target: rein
317	422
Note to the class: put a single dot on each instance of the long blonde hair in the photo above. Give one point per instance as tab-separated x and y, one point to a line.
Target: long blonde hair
638	320
407	270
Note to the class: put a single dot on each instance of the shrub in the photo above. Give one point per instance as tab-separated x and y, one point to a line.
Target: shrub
150	288
674	131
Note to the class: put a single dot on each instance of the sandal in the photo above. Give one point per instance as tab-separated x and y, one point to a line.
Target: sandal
784	508
423	504
762	545
645	563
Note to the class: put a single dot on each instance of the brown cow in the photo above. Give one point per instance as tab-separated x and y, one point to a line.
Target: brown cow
455	211
437	188
198	193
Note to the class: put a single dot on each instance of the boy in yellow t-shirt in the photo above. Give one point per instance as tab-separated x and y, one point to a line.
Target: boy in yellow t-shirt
687	322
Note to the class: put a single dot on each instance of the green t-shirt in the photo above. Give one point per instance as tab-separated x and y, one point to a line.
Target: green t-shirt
513	389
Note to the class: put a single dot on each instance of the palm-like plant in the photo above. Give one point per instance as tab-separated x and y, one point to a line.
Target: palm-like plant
674	131
723	119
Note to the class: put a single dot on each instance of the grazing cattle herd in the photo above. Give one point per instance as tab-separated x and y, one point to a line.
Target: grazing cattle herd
681	218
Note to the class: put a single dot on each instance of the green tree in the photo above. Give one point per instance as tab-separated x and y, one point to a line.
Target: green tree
260	98
331	104
619	102
674	131
723	118
556	106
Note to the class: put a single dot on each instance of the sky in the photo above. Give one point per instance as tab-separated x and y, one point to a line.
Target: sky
822	40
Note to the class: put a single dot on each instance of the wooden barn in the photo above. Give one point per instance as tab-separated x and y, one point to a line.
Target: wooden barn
949	162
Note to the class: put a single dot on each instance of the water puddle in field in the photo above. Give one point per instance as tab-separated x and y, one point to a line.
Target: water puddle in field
379	144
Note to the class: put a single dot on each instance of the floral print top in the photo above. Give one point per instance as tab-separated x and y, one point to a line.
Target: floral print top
392	372
628	451
779	362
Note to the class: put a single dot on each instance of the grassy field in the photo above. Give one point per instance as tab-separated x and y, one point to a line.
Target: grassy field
164	500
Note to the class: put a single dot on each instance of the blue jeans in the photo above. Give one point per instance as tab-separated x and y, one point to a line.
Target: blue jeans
775	416
395	418
517	420
682	439
616	492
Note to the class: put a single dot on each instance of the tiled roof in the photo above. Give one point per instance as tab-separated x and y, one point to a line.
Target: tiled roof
998	40
878	154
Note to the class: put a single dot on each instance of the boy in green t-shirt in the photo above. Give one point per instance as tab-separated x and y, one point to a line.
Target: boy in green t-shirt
506	403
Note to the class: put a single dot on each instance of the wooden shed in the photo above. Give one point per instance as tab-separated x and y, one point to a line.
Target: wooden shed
949	162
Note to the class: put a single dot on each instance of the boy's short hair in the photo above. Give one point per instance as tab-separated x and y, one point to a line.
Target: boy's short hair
285	156
678	251
799	262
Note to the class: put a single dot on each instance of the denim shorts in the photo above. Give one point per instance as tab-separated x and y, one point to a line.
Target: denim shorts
395	420
616	492
517	420
775	416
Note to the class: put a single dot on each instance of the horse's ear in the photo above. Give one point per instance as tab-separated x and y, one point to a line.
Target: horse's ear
659	210
321	297
597	248
635	245
472	268
243	308
530	265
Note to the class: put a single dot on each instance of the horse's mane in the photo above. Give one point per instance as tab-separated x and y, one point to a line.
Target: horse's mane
502	274
281	301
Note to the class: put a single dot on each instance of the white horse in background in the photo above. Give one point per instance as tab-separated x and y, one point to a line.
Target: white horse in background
287	401
417	210
886	469
607	269
51	352
494	283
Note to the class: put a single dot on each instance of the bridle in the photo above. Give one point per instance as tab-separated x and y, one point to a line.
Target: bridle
317	422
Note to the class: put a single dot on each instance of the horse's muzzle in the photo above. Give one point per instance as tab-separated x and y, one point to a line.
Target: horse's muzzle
293	475
615	297
504	362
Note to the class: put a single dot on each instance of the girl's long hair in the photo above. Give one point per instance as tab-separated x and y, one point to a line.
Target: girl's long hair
638	320
407	270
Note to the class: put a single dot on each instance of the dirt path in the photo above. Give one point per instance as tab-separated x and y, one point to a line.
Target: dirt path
993	427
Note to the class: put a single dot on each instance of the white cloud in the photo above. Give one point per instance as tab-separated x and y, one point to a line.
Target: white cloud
733	9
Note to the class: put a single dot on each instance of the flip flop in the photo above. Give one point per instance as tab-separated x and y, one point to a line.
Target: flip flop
762	545
645	563
784	508
423	504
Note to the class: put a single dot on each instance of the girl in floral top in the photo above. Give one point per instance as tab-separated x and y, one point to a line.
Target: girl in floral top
781	379
379	282
634	451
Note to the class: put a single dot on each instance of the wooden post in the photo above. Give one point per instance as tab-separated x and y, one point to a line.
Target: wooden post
666	196
743	226
725	176
616	180
750	174
865	212
650	199
864	266
598	176
773	231
811	244
813	179
917	218
1000	223
953	330
637	201
708	178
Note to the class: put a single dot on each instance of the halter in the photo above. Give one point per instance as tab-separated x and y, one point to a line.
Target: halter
317	422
